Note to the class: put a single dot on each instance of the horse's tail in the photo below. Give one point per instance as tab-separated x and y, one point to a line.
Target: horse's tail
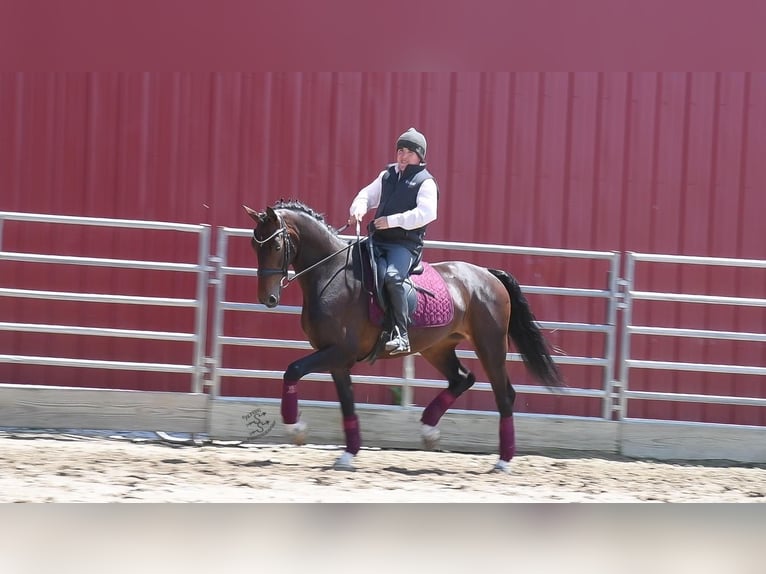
526	335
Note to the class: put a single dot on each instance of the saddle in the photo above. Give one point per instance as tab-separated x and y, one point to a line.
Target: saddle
428	300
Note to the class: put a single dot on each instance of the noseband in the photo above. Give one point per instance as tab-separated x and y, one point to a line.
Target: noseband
283	271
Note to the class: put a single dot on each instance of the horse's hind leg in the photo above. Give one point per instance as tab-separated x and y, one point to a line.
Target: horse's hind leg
459	380
491	352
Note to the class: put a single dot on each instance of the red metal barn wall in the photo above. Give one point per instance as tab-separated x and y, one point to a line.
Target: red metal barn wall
649	162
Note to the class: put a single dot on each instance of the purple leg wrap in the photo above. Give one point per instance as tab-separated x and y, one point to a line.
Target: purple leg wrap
353	439
507	439
437	407
290	402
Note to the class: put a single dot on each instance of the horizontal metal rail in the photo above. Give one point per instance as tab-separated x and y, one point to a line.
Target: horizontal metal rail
95	331
296	310
463	354
99	221
99	262
697	333
689	298
243	271
475	247
696	398
96	364
281	310
698	367
518	250
697	260
397	382
97	298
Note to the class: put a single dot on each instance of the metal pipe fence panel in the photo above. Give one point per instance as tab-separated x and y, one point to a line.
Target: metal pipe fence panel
410	380
635	372
197	305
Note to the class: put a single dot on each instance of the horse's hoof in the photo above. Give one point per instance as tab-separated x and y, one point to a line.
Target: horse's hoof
296	432
502	466
344	462
430	436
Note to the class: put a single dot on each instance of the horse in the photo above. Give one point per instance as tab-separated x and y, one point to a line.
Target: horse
488	309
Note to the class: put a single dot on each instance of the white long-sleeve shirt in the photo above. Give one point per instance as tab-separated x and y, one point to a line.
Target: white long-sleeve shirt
424	212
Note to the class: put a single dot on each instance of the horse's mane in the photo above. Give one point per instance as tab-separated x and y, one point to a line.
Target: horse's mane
295	205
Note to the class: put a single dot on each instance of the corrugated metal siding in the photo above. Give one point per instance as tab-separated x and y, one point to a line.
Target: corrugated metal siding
658	162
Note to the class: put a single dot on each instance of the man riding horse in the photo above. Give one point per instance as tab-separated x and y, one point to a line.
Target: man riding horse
406	196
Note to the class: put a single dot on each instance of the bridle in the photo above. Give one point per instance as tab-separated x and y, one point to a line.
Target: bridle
284	271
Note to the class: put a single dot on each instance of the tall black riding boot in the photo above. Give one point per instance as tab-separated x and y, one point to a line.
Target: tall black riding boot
400	342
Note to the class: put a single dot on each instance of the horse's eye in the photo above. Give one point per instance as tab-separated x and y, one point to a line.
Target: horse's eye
277	245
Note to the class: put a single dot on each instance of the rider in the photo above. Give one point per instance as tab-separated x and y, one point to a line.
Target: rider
406	197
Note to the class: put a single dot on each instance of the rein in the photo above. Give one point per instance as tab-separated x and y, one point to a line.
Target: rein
284	271
318	263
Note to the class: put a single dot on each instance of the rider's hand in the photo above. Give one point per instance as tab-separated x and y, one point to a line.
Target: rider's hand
381	223
355	218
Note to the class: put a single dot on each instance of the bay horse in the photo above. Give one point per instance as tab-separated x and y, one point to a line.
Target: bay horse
488	308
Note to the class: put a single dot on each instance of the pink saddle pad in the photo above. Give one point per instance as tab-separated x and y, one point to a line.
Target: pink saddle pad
429	311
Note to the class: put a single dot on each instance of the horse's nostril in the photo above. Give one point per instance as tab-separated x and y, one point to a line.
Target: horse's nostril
272	301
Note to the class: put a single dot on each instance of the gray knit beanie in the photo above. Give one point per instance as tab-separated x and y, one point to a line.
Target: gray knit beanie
413	140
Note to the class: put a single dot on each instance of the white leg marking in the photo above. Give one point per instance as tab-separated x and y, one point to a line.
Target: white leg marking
344	462
296	432
430	436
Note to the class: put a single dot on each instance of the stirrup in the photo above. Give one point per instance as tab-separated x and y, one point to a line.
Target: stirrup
397	345
400	348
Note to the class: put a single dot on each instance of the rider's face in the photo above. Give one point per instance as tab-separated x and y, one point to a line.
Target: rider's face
405	157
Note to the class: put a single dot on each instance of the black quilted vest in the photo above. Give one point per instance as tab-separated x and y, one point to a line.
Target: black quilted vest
399	195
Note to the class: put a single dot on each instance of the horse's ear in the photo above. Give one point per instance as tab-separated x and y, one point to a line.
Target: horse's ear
257	217
271	214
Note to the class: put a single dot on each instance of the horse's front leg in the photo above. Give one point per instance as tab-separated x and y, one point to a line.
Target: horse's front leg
321	361
342	378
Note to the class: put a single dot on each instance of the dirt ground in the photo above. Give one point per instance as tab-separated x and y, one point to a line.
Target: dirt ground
56	467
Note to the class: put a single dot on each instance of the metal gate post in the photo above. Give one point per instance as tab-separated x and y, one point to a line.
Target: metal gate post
627	306
611	336
220	291
200	316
